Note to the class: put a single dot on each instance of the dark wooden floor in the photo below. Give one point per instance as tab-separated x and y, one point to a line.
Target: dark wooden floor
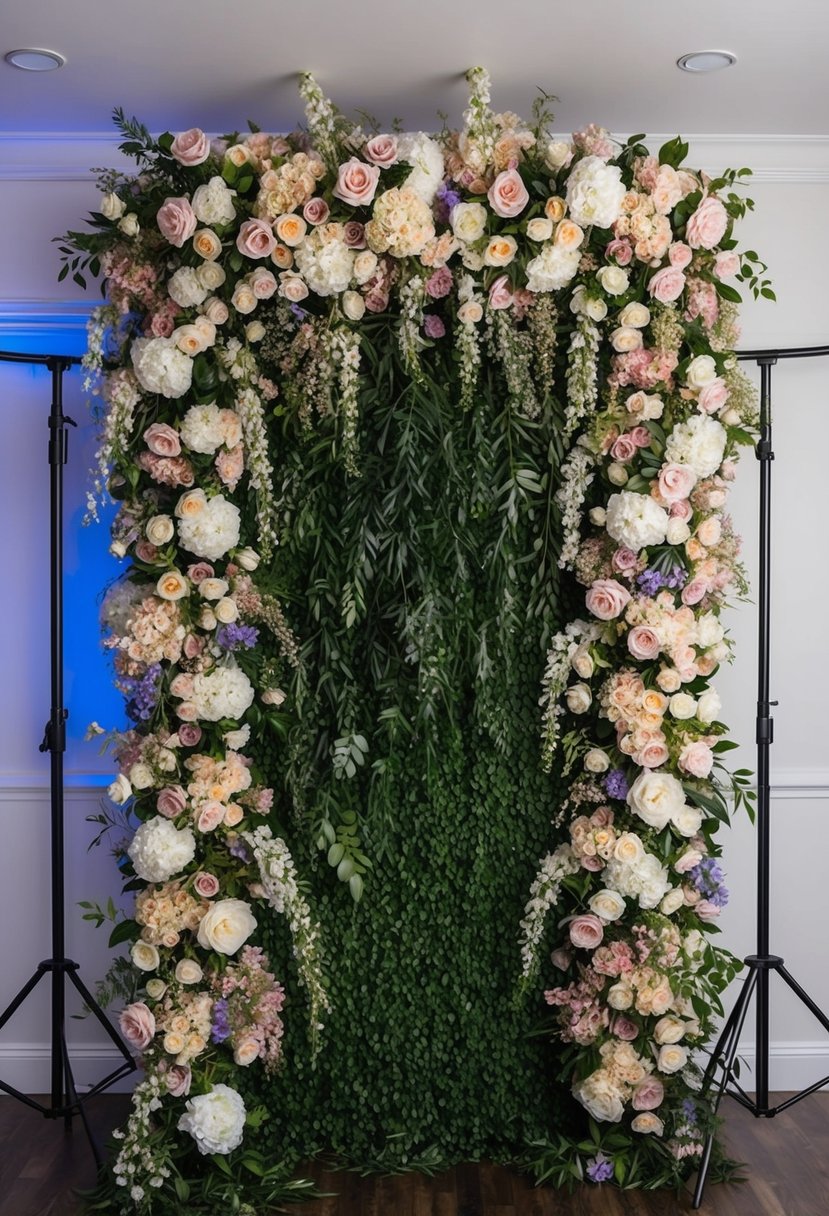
788	1175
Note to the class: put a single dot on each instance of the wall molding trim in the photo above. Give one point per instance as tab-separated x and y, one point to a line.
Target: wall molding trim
26	1066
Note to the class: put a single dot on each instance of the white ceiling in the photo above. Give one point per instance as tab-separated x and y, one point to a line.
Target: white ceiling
214	63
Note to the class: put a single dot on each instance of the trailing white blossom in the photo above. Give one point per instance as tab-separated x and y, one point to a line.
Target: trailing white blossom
467	338
410	331
322	119
544	892
344	350
576	476
139	1170
556	674
252	415
582	368
120	393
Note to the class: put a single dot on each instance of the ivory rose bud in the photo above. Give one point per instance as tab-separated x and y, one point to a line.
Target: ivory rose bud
667	284
655	798
112	207
687	820
582	662
353	305
381	150
671	1057
672	902
669	1029
290	230
176	221
188	971
159	530
500	295
137	1025
356	183
635	315
709	706
508	195
625	339
648	1095
597	516
539	229
679	255
144	956
155	988
226	610
206	885
162	439
500	251
614	281
243	298
586	931
120	791
256	239
606	599
643	643
190	147
596	761
215	310
226	926
129	224
292	287
557	155
700	372
470	312
677	531
675	482
682	706
172	586
707	225
247	558
468	221
207	621
609	905
246	1051
579	698
171	801
647	1124
697	759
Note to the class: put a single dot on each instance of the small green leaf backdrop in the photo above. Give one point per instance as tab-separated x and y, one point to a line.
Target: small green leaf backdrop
421	446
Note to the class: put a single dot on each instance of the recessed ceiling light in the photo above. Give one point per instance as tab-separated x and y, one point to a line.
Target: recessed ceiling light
706	61
35	59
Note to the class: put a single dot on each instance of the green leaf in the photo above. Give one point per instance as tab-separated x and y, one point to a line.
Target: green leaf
124	931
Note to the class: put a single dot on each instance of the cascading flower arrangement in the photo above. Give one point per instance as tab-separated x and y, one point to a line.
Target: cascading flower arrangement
240	273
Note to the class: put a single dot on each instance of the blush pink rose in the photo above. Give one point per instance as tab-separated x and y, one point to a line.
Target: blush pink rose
315	211
675	482
167	470
648	1094
210	816
171	801
137	1025
206	884
356	182
230	465
354	235
145	552
643	643
508	195
178	1077
726	264
679	255
176	221
182	686
707	911
681	510
667	284
694	591
586	931
591	863
193	646
162	325
624	448
377	300
714	396
198	572
624	1028
187	711
707	225
606	599
641	436
697	759
620	250
439	284
500	295
162	439
624	560
653	754
190	147
256	239
381	150
189	734
262	283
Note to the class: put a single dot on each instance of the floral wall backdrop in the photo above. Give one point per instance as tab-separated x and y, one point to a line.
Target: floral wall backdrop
411	433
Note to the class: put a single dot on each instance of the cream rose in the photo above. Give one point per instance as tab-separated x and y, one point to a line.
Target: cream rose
672	1057
172	586
500	251
700	372
539	229
159	530
656	797
144	956
579	698
226	926
668	1030
468	221
682	706
625	339
188	971
614	280
635	315
596	761
609	905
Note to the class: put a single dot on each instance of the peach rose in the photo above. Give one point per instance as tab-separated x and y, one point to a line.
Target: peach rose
315	211
162	439
568	235
292	287
190	147
653	754
182	685
230	465
710	531
500	295
282	257
667	284
643	643
606	599
586	931
508	195
356	183
137	1025
554	209
176	221
206	244
675	482
381	150
707	225
290	230
255	239
500	251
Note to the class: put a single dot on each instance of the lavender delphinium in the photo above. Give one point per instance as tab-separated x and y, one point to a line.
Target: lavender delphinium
220	1030
651	582
237	637
709	880
445	199
616	784
142	693
600	1168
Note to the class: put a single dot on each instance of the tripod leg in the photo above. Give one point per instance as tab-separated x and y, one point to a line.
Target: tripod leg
17	1001
95	1009
76	1105
804	997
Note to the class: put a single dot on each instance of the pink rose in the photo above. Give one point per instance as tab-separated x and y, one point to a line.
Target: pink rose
230	465
381	150
648	1094
500	295
707	225
262	283
145	552
653	754
210	816
621	251
206	885
356	183
624	1028
643	643
197	573
187	711
624	448
433	326
624	560
182	686
216	311
190	147
681	510
726	264
171	801
696	759
508	195
161	325
354	235
729	470
667	284
377	300
178	1077
707	911
694	591
439	284
606	599
641	436
162	439
137	1025
586	931
176	221
592	863
561	958
315	211
256	239
675	482
679	255
189	734
714	396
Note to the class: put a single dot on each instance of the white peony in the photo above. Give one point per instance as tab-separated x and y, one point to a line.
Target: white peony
687	820
215	1120
553	268
594	193
600	1097
226	926
699	442
160	367
327	266
426	158
212	531
213	203
709	630
201	429
635	520
656	797
187	288
645	879
159	850
225	692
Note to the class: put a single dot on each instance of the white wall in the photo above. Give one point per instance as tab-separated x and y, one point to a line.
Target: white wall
44	189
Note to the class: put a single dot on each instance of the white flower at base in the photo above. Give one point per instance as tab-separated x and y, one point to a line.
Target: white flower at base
600	1097
635	520
158	850
215	1120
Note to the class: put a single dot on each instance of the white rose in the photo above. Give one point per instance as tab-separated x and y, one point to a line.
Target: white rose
188	971
677	531
597	761
254	331
213	588
120	791
600	1097
687	820
635	520
539	229
211	276
594	308
112	207
236	739
614	280
635	315
730	416
669	680
354	306
129	225
557	154
682	706
582	663
672	1058
470	312
247	558
625	338
672	902
226	926
144	956
365	264
668	1030
709	706
273	696
700	371
617	474
226	611
215	1120
620	995
141	776
656	797
609	905
709	630
468	221
594	193
598	516
159	529
579	698
155	989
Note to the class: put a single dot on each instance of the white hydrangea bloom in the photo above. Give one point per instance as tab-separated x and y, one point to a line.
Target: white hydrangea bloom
186	288
553	268
215	1120
201	429
326	265
699	442
635	520
213	203
225	692
426	157
159	850
212	532
594	193
160	367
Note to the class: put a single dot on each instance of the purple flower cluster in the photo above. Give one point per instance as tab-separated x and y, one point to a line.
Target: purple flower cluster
651	582
237	637
616	784
220	1030
689	1109
708	879
600	1168
445	199
142	693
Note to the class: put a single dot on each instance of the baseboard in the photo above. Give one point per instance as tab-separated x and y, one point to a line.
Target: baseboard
26	1066
793	1064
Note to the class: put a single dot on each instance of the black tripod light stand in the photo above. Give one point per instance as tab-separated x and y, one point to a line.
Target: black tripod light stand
64	1100
720	1076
